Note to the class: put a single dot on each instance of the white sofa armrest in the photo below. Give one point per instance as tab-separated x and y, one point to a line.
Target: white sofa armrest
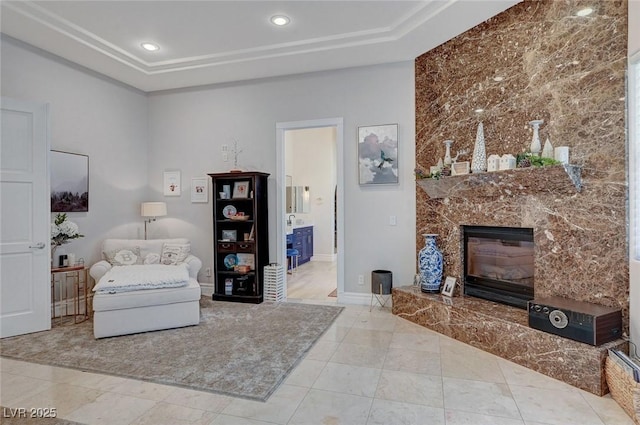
194	264
99	269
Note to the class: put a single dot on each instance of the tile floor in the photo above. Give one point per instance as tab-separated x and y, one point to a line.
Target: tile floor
368	368
313	281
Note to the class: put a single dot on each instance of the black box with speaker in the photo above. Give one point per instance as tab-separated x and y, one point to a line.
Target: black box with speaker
578	320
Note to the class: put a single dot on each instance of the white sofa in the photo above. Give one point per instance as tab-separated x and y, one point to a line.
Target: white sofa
148	309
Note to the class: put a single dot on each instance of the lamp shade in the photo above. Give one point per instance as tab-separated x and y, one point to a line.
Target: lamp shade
153	209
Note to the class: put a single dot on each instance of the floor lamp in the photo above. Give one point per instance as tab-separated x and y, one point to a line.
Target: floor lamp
151	210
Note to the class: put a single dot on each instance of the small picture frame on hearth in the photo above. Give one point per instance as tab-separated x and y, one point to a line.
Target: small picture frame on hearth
449	286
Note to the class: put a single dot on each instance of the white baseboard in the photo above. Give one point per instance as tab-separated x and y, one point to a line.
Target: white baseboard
325	257
358	298
206	289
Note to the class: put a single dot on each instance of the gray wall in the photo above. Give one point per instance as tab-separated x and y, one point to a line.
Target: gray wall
90	115
189	127
131	138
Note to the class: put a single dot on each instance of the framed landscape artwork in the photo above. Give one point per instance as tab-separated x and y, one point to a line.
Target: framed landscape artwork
378	154
69	182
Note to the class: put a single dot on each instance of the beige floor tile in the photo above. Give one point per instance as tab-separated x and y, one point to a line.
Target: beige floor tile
306	373
359	355
385	412
516	374
411	388
486	398
470	364
64	398
416	342
457	417
375	322
356	380
372	338
112	409
413	361
554	407
607	409
322	350
17	387
335	333
171	414
331	408
278	408
198	399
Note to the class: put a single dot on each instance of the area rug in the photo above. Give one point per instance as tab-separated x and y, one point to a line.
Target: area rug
242	350
333	293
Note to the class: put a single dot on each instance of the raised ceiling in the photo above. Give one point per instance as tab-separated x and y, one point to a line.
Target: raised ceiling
209	42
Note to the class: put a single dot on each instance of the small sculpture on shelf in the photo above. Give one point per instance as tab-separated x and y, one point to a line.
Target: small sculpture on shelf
236	153
547	149
479	159
493	163
507	162
535	147
459	154
447	155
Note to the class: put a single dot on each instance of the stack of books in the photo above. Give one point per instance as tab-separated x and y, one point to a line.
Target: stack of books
625	363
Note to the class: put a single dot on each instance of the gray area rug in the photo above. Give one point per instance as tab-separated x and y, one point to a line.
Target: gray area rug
242	350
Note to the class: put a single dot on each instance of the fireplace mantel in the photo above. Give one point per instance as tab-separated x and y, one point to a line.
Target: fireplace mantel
558	179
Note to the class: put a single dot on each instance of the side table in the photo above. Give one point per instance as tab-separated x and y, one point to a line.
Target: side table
70	285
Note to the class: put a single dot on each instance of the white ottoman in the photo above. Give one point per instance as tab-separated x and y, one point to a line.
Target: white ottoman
146	310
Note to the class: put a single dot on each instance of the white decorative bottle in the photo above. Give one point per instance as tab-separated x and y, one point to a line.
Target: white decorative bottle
447	154
536	147
547	150
479	159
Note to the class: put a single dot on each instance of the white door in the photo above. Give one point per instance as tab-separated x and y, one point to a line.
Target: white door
25	294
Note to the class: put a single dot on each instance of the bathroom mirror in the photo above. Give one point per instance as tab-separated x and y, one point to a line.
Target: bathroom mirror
297	199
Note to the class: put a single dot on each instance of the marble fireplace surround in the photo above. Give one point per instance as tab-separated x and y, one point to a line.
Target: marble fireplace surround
536	60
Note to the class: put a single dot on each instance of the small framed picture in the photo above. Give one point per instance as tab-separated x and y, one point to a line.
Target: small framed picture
449	286
199	189
460	168
229	235
241	189
172	183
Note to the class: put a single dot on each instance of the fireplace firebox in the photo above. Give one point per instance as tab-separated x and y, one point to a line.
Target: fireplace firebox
499	264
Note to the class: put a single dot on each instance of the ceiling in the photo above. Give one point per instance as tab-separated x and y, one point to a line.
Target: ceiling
210	42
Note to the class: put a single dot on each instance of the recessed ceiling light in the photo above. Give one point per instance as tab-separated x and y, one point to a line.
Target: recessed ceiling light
151	47
280	20
584	12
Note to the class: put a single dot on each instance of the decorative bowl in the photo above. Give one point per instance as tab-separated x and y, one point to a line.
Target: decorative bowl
239	217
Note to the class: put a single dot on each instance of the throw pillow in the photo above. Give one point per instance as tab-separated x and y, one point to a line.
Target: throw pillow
123	256
152	258
174	253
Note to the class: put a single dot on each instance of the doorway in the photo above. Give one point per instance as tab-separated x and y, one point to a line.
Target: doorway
332	201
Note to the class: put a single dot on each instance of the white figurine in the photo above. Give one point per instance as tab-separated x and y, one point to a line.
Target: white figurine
507	162
493	163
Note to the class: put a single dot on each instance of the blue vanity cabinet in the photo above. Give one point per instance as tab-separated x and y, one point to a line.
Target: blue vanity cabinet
303	241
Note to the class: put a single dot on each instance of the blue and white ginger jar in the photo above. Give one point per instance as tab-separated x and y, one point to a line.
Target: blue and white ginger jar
430	265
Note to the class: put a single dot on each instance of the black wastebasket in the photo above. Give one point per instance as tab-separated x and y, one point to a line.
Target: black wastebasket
381	282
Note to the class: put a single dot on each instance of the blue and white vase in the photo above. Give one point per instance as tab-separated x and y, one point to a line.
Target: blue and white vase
430	265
